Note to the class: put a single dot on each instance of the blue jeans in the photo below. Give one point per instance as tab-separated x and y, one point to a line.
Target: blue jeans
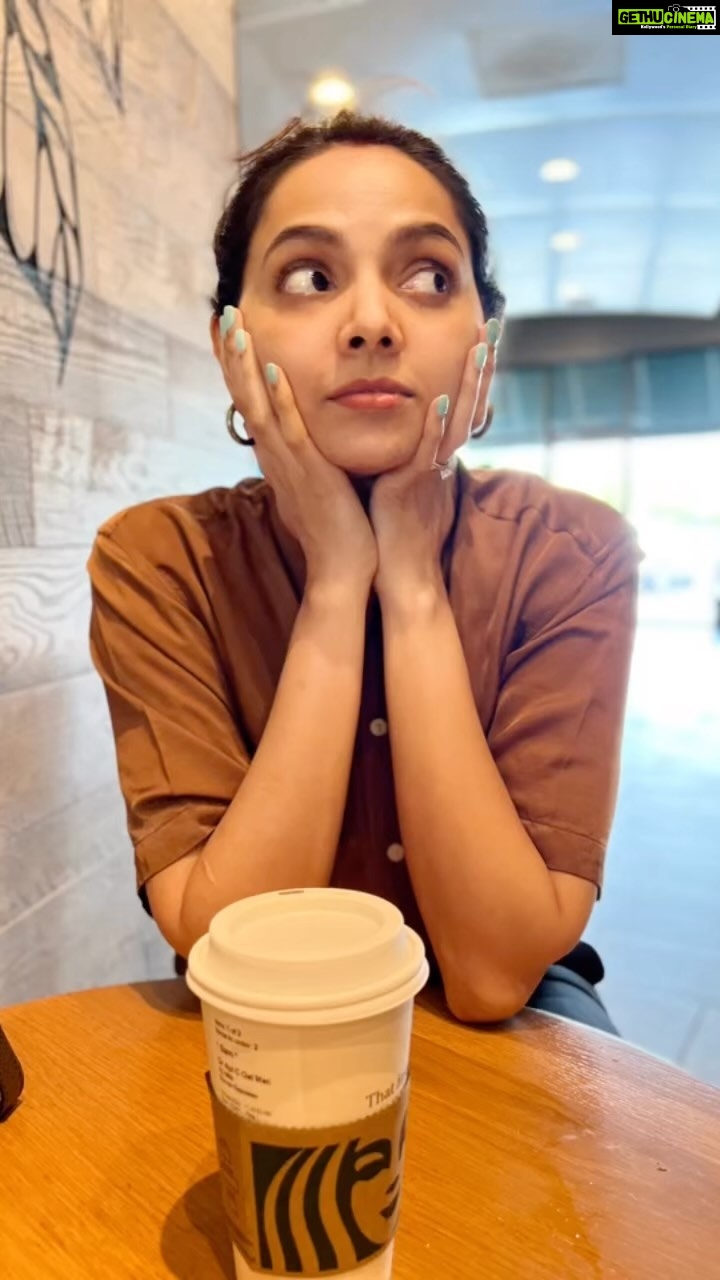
571	996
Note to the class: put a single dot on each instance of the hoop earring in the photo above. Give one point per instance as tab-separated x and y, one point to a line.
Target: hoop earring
230	424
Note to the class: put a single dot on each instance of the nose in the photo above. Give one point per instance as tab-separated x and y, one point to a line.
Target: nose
370	325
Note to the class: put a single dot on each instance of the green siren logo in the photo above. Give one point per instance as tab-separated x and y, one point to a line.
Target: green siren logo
668	19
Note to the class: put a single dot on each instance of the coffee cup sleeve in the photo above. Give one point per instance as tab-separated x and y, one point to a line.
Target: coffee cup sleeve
308	1202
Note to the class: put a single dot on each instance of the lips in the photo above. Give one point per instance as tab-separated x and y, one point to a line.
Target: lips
372	387
372	396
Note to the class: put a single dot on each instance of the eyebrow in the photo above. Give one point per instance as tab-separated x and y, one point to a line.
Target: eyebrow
403	235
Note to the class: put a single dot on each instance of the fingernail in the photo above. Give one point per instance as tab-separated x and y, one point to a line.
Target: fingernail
240	340
493	332
227	320
481	355
272	374
443	405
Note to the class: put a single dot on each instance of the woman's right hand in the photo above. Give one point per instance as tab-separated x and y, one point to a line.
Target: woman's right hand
315	499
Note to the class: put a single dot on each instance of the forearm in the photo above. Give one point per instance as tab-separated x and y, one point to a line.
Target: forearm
282	828
485	894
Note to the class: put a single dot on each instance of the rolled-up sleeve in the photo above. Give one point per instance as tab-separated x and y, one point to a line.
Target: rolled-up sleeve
556	732
180	754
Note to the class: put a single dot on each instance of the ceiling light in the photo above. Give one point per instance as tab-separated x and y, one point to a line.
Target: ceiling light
564	241
332	92
559	170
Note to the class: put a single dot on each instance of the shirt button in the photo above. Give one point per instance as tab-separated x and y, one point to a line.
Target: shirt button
395	853
378	728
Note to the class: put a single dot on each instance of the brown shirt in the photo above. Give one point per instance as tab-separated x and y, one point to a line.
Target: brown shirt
194	603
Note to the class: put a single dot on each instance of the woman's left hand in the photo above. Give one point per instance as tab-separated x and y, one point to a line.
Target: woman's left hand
412	507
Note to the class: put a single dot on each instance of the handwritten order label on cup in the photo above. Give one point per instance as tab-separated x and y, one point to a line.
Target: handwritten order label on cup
308	1202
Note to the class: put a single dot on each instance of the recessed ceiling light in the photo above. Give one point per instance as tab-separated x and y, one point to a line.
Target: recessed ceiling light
564	241
332	92
559	170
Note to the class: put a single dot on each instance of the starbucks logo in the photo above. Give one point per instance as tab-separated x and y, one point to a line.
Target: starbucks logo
313	1204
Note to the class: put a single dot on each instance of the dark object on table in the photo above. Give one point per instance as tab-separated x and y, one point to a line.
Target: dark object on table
12	1080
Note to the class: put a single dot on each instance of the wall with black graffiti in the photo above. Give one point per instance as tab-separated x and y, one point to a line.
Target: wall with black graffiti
117	134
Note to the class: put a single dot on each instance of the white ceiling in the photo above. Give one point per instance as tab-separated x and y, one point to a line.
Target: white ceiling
505	86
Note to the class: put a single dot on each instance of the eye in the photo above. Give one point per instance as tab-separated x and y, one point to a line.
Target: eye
433	279
305	280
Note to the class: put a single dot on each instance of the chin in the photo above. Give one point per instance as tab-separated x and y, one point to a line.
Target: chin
372	468
368	446
366	462
370	472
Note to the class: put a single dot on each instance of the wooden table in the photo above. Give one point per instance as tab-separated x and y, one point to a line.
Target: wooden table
545	1151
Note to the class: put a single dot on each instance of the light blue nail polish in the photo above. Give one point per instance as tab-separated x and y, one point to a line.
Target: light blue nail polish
481	355
240	340
443	405
272	374
227	320
494	331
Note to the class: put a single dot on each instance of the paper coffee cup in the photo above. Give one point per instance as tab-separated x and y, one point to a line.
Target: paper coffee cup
307	1001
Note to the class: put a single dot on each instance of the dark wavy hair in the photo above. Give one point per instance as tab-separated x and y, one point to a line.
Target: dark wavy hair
260	170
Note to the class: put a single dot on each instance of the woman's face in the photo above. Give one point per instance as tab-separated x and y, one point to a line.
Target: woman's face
359	269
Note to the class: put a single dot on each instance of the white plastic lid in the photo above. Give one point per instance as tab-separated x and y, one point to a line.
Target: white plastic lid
308	957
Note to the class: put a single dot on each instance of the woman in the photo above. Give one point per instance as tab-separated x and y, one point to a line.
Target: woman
371	668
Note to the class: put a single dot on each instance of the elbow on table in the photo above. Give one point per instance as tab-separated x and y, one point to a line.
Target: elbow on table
487	1002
